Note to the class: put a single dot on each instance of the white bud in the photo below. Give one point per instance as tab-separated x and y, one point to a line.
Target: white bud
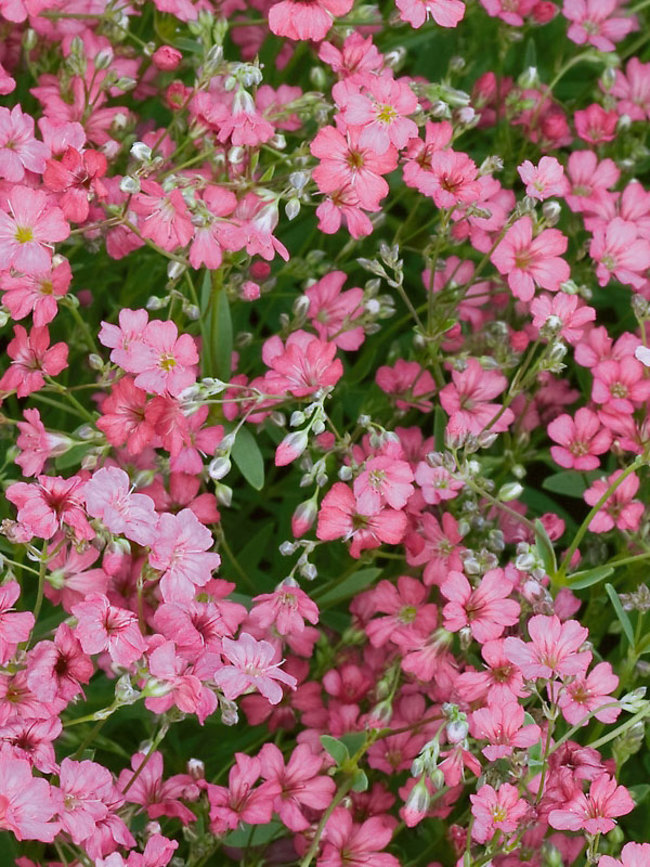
130	185
218	468
140	151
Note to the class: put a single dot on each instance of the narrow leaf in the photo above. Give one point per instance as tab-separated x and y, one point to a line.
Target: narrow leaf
587	577
545	548
248	457
621	614
222	338
350	587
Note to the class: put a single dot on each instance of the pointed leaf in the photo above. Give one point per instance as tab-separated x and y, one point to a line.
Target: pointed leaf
621	614
248	457
545	548
587	577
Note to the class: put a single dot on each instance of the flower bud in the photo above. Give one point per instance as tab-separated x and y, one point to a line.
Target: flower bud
303	518
167	58
130	185
291	447
219	467
140	151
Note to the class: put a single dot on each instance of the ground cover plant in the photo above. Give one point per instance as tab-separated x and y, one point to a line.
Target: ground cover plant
325	418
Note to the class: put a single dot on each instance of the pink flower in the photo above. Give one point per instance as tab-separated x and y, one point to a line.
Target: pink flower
384	480
596	811
159	797
528	262
446	13
344	162
29	229
173	684
620	385
586	694
123	420
595	125
544	180
466	401
510	11
164	216
102	626
499	681
251	667
297	20
286	609
85	788
77	176
333	312
591	23
563	314
347	844
56	669
553	650
632	89
620	253
621	509
493	811
301	366
502	725
580	440
452	179
120	338
405	609
179	552
166	58
108	497
486	610
19	150
44	508
587	177
301	781
340	517
409	382
36	293
380	113
15	626
633	855
26	803
32	359
163	361
241	800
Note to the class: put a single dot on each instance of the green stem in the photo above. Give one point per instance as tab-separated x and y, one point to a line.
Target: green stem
620	729
152	749
341	792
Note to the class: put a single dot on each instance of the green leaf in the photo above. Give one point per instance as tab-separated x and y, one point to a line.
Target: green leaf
439	427
222	336
252	835
530	58
587	577
639	793
353	741
360	781
545	548
337	750
350	587
72	457
248	457
620	613
570	484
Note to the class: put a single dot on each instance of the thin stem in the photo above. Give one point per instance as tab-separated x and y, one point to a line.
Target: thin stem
342	791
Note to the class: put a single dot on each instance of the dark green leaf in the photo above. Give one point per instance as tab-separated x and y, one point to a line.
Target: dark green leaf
252	835
222	336
350	587
439	427
337	750
587	577
248	457
570	484
72	457
621	614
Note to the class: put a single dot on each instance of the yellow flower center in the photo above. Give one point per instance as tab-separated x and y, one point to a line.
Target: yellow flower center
24	234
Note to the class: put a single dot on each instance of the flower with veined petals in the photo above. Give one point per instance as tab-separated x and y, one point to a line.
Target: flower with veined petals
28	230
251	667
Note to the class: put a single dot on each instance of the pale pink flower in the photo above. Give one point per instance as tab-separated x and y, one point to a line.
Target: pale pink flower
45	507
493	811
529	261
620	253
179	552
15	626
102	626
446	13
173	683
553	651
588	693
162	361
486	610
544	180
108	496
621	386
26	802
592	22
380	113
632	89
580	440
252	667
36	293
633	855
85	788
594	812
565	314
29	227
297	20
286	609
19	150
120	338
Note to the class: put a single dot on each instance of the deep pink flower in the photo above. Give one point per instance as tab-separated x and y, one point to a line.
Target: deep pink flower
467	400
585	694
347	844
159	797
123	420
58	668
28	229
339	517
580	440
592	22
162	361
241	800
452	179
499	680
595	125
486	610
406	613
409	382
620	386
588	177
529	261
502	726
333	312
594	812
301	366
251	667
544	180
621	509
32	359
384	480
15	626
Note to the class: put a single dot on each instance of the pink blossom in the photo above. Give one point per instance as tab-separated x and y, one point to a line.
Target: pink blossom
173	683
499	680
241	800
446	13
528	262
84	789
102	626
409	382
486	610
162	361
384	480
467	401
164	217
300	366
502	725
380	112
120	338
333	312
179	552
452	179
591	22
594	812
544	180
580	440
77	176
406	613
166	58
633	855
347	844
620	385
510	11
56	669
28	229
15	626
45	507
632	89
562	313
587	177
159	797
123	420
251	667
553	649
620	509
496	810
297	20
595	125
26	801
589	693
36	293
620	253
32	359
19	150
286	609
